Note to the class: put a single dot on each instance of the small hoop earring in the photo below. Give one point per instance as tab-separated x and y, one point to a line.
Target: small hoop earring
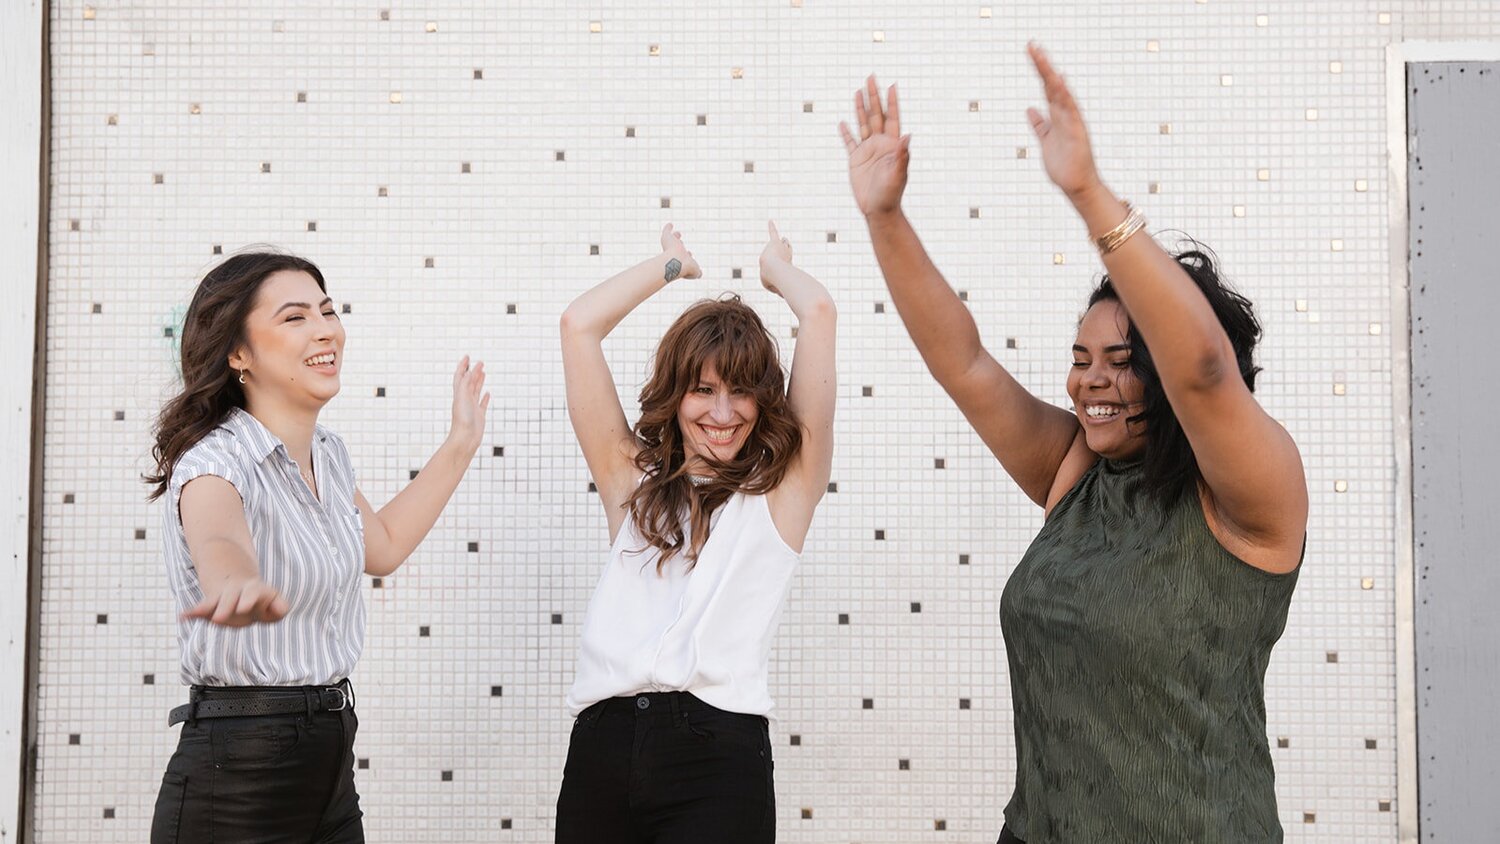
242	376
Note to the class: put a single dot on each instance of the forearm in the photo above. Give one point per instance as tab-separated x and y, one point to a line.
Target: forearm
600	309
1165	305
805	295
409	516
939	324
220	563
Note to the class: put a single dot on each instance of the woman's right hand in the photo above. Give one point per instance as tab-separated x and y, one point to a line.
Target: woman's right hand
674	250
241	603
877	161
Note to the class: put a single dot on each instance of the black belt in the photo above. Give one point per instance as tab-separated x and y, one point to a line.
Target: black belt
242	701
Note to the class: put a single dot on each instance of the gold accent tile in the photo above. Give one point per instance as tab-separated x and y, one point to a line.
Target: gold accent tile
1164	129
1339	389
973	105
148	48
1311	115
88	13
1335	67
1301	306
1154	187
395	96
596	26
1336	245
1367	583
1059	258
736	73
1226	80
1376	329
985	12
195	108
653	50
1022	152
1333	656
796	4
1262	20
1239	210
278	26
1315	317
1263	175
1339	486
1153	46
113	120
1361	185
878	36
1309	817
431	26
1384	18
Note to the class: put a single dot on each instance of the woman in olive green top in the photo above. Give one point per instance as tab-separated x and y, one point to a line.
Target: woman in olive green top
1139	623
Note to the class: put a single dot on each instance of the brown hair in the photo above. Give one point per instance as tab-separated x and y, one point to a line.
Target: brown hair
212	330
727	333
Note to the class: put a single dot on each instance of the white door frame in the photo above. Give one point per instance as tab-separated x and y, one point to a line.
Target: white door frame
1398	55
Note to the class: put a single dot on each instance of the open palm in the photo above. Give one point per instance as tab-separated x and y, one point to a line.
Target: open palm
877	161
1066	152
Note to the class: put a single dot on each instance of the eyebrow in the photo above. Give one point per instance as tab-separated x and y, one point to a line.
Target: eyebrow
1118	347
301	305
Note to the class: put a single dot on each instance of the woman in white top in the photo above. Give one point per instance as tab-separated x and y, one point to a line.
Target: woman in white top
267	539
709	498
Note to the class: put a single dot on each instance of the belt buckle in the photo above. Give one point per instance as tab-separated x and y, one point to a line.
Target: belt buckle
343	700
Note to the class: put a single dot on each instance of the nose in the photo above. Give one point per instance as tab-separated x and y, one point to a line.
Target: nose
326	327
1095	376
722	411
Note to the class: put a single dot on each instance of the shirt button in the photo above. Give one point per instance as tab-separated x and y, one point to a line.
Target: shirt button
643	703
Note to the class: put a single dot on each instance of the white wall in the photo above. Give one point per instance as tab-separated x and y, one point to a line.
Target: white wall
1259	129
20	195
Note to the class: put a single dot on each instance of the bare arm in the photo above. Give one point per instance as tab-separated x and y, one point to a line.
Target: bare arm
218	540
394	532
812	391
1249	463
1030	437
593	402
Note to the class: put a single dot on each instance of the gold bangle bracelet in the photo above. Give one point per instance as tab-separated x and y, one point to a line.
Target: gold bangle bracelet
1114	238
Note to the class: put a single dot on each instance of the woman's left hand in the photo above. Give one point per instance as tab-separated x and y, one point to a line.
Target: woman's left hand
1064	140
470	402
778	252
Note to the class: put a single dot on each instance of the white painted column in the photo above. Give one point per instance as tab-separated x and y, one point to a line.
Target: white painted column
20	191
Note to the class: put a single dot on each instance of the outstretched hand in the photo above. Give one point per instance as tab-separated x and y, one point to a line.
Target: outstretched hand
877	161
241	604
1064	139
777	254
680	263
470	402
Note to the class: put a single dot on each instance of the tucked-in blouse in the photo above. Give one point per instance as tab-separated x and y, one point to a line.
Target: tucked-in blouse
311	550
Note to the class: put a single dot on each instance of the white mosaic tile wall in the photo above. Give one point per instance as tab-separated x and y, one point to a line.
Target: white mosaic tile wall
461	171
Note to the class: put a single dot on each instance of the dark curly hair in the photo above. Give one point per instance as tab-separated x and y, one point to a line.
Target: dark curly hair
212	330
1170	467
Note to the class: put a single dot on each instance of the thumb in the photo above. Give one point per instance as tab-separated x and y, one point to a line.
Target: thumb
202	609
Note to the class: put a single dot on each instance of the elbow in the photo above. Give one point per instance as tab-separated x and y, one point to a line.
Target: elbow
821	309
1211	367
568	324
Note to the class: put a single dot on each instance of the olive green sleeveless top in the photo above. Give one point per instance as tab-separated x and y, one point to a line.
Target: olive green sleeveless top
1138	649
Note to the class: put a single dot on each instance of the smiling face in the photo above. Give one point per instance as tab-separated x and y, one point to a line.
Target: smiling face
294	344
715	419
1102	386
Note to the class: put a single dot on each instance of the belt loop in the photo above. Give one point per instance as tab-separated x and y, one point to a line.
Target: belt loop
307	698
677	713
348	693
193	694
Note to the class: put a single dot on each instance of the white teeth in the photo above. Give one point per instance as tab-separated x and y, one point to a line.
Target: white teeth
1099	411
718	435
319	360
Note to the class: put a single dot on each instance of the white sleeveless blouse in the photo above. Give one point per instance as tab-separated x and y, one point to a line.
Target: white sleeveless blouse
707	631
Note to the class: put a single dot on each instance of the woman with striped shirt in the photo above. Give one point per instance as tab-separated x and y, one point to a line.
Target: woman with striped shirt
267	536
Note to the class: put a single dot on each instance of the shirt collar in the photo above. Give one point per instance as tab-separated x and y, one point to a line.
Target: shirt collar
248	430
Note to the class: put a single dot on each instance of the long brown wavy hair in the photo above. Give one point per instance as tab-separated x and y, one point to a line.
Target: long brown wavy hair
729	334
212	330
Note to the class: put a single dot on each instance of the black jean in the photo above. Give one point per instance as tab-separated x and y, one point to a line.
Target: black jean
666	768
265	779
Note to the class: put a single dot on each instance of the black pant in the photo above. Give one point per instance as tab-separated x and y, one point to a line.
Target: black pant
666	768
265	779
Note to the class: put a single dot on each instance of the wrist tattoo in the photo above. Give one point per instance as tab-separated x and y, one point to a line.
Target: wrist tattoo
674	269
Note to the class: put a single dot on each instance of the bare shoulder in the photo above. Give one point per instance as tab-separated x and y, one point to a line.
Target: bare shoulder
1271	554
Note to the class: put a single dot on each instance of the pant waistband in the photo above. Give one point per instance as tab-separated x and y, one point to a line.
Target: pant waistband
652	704
243	701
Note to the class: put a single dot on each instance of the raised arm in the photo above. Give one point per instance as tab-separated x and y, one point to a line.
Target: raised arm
218	541
593	403
1249	463
812	388
1030	437
394	531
